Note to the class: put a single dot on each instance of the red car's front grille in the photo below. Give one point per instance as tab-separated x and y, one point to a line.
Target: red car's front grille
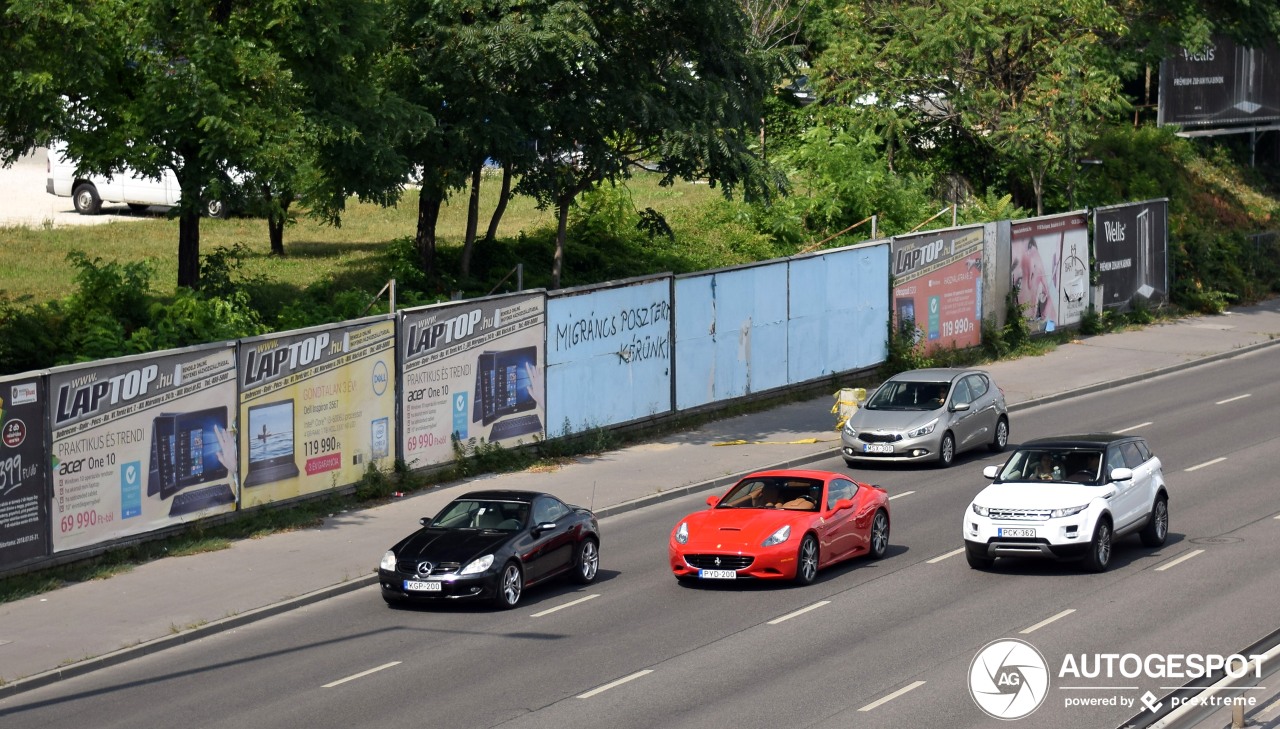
719	561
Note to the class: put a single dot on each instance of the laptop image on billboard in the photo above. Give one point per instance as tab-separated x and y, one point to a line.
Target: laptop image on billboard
270	437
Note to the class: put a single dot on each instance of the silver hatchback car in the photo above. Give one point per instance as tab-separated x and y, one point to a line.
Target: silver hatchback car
927	415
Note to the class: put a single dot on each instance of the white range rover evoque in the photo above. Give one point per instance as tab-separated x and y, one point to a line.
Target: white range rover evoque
1068	497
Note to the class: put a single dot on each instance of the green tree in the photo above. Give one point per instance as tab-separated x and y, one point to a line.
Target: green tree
1031	81
676	84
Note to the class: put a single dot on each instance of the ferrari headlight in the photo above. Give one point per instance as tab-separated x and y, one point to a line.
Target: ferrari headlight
682	533
478	565
980	510
777	537
1072	511
388	561
925	429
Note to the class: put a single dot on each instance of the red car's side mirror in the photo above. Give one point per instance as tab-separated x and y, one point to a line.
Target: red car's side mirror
843	504
713	500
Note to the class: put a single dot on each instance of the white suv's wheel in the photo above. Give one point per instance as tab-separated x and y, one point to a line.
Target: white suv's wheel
1099	556
1157	528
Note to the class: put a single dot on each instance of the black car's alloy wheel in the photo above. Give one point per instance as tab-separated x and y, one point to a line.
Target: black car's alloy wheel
588	562
510	586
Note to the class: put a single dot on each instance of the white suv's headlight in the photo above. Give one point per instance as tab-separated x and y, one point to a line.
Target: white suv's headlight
388	561
925	429
1072	511
682	533
979	510
478	565
777	537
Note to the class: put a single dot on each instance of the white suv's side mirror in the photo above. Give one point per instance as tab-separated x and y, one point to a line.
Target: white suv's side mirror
1121	474
991	471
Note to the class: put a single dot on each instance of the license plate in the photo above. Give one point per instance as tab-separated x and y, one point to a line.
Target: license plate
419	586
877	448
1016	533
718	574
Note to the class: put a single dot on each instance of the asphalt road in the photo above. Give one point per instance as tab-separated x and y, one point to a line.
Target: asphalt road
884	643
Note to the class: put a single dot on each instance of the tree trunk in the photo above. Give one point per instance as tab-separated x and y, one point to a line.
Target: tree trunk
503	197
189	247
562	225
428	214
473	221
275	230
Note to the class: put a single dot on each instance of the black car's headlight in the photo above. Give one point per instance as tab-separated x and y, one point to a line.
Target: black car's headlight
388	561
478	565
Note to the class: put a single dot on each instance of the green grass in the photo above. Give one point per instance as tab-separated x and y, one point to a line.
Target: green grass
33	261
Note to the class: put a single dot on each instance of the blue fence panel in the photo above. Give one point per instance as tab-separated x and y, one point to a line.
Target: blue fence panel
839	311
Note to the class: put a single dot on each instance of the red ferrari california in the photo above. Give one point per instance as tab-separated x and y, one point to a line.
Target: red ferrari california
781	525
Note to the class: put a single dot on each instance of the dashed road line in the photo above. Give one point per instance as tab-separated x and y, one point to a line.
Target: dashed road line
1179	560
362	674
1134	427
579	601
615	684
801	611
1205	464
898	496
892	696
1046	621
1233	399
941	557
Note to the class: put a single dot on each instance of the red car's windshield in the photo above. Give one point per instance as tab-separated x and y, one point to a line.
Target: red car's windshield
798	494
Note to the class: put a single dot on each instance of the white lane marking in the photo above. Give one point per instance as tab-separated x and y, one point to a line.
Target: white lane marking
1180	560
941	557
801	611
1278	517
1046	621
1134	427
1233	399
619	682
904	493
361	674
580	600
1202	465
892	696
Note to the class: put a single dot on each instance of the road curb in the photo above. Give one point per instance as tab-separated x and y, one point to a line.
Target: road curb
1130	379
156	645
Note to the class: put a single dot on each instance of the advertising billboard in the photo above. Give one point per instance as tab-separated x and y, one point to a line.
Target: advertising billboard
24	498
472	370
1130	243
1220	86
317	407
937	283
1049	267
140	443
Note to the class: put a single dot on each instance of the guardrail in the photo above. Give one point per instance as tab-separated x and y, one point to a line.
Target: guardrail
1202	699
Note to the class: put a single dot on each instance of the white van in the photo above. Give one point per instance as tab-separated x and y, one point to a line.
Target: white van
88	192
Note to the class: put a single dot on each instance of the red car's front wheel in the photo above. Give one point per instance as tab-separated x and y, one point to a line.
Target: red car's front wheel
807	561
